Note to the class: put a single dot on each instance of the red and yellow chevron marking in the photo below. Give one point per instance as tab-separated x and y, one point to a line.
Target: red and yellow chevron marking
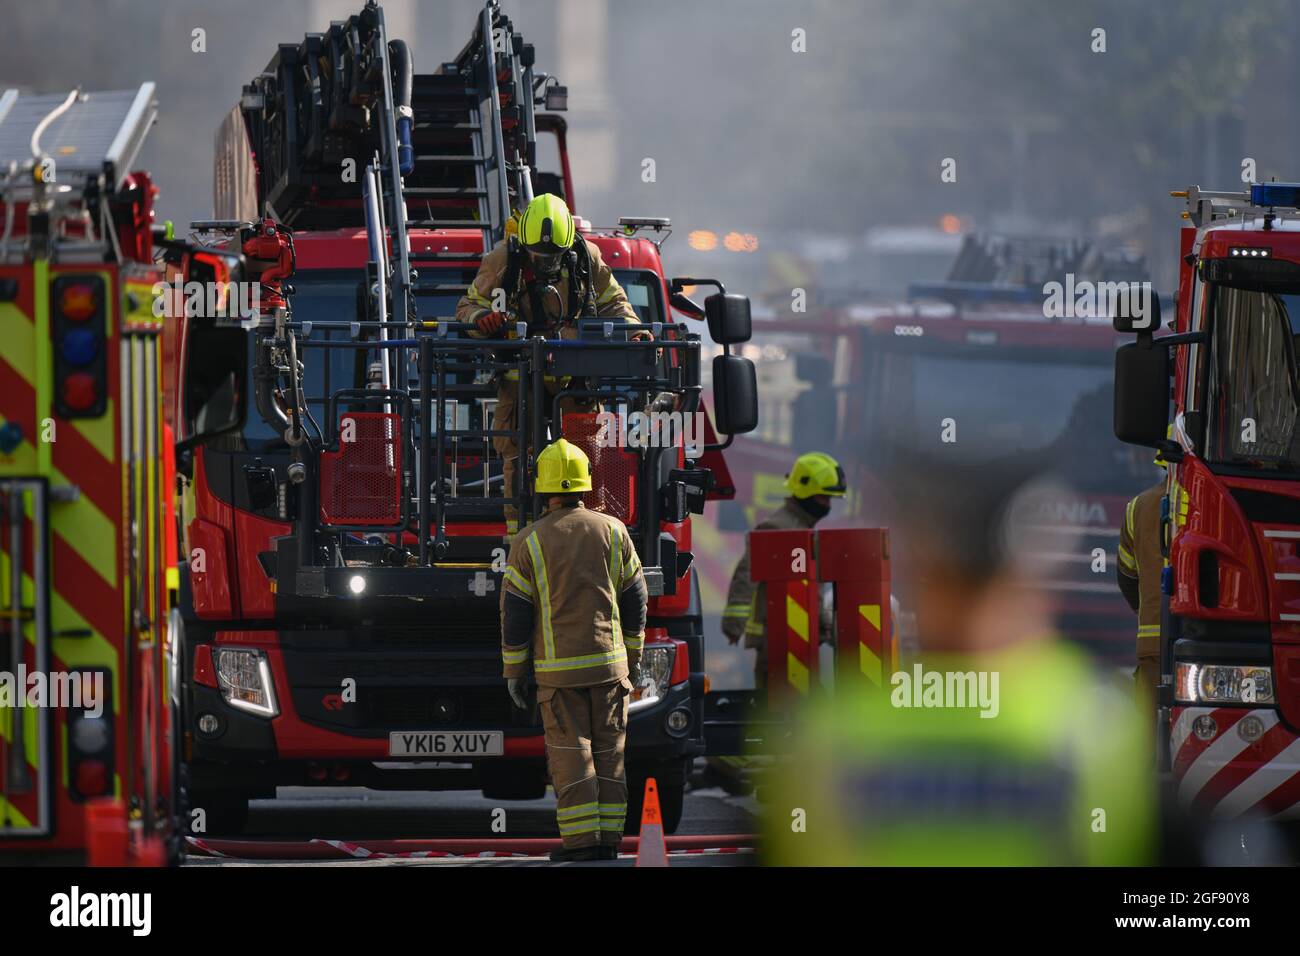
871	644
801	646
87	545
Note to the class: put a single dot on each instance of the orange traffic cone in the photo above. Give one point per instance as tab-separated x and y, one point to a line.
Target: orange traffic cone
651	850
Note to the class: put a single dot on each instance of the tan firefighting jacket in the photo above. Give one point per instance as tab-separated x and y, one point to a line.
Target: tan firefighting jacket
572	564
1140	559
746	608
611	301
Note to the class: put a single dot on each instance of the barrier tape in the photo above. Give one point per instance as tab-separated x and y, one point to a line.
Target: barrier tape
322	849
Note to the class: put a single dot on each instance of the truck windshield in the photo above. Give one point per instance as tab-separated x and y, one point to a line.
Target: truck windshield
986	406
1252	394
642	288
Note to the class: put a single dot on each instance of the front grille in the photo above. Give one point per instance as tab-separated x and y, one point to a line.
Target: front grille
441	668
428	708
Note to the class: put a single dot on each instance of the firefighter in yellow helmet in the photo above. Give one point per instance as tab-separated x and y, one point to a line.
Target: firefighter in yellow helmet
546	276
814	480
573	611
1137	570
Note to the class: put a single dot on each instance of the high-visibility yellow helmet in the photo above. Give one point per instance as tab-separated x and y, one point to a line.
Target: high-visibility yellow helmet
815	473
546	225
563	468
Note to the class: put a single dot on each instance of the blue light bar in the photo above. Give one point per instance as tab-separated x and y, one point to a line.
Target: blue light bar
1275	194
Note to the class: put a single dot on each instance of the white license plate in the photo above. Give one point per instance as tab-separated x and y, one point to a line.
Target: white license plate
446	743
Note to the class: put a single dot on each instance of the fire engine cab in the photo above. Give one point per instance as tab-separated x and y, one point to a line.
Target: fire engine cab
1229	715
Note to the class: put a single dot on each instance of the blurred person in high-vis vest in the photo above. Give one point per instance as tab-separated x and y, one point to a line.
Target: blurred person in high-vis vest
998	744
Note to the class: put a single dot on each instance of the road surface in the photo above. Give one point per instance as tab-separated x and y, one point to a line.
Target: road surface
355	815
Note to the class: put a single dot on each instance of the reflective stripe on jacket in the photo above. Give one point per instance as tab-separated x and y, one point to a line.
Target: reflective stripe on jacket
1140	558
571	565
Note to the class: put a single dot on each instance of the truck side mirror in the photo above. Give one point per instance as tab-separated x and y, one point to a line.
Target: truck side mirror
728	316
1135	308
1141	393
735	393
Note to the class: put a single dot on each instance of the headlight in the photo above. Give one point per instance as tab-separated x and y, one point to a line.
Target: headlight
245	680
656	671
1223	684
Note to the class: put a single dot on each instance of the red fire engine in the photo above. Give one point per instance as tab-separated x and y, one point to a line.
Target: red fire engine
343	505
972	366
88	765
1229	716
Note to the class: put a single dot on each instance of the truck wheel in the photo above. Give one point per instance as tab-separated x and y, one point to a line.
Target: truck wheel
672	797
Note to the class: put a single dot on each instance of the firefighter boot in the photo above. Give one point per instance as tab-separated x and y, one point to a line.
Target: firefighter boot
583	854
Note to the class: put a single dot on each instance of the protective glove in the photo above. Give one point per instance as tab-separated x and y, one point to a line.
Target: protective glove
518	688
634	674
490	323
644	335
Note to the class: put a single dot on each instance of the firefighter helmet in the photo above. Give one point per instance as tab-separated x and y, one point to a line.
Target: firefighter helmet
562	469
546	226
815	473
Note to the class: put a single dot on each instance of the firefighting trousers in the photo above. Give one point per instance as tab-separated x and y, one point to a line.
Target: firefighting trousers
506	417
586	729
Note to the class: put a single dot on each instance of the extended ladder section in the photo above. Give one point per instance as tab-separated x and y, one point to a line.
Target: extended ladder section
63	153
464	137
475	133
89	136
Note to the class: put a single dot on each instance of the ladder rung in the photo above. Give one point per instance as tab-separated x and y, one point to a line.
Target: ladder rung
443	192
427	125
441	158
448	224
451	91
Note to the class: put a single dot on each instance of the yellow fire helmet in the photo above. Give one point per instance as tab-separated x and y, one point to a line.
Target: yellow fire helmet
815	473
563	468
546	225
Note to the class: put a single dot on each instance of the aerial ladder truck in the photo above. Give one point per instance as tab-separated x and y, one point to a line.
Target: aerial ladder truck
344	530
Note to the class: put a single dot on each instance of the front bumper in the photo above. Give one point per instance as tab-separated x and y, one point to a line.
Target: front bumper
1246	762
414	689
650	740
